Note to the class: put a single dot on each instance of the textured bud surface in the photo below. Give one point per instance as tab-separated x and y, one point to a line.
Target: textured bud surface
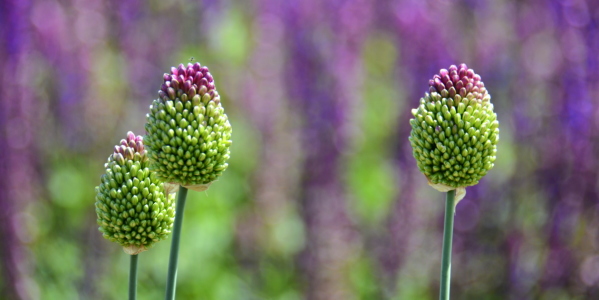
188	133
131	205
454	130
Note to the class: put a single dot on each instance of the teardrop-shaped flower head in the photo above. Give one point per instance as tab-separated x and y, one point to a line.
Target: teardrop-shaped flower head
188	133
454	130
132	207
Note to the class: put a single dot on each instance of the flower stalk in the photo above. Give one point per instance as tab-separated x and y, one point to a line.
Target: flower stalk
447	243
454	141
133	277
171	280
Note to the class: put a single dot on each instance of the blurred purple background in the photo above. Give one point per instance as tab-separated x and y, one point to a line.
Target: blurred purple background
322	199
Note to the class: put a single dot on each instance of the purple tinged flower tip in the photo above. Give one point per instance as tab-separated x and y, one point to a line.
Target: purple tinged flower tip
171	93
175	84
191	92
181	70
445	79
452	92
129	146
190	79
457	81
118	157
129	153
470	74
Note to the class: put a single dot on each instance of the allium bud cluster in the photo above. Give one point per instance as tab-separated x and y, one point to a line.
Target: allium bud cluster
188	133
131	205
454	130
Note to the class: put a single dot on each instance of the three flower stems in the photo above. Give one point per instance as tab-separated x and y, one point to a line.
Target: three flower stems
171	281
174	253
447	242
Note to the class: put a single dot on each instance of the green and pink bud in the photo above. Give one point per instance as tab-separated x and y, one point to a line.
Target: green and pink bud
454	130
188	134
131	204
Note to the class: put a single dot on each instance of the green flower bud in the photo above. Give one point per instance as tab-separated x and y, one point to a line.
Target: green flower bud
454	130
188	133
126	187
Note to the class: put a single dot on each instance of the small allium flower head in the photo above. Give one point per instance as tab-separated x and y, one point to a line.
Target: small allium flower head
188	133
454	130
131	204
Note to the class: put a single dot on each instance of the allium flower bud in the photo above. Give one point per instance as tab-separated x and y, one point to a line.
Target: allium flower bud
131	204
454	130
188	133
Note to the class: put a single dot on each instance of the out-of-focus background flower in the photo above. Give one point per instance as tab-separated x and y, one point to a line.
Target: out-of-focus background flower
322	199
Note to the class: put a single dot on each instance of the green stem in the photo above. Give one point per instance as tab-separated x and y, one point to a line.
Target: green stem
447	240
133	277
171	280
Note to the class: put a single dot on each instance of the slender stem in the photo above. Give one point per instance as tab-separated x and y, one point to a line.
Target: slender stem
133	277
447	240
171	281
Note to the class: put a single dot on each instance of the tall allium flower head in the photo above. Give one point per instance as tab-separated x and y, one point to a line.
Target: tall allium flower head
131	204
188	133
454	130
